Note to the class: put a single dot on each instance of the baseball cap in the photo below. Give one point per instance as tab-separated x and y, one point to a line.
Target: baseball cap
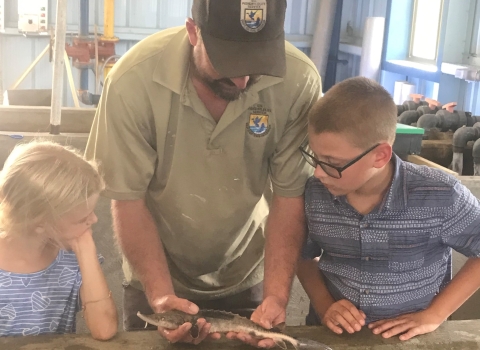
243	37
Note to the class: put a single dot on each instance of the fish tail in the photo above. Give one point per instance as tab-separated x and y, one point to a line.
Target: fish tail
307	344
286	338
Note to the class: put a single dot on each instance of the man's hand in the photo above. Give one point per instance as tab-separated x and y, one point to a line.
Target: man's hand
408	325
343	314
182	333
268	314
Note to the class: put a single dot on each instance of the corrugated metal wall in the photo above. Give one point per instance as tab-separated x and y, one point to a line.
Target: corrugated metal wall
134	20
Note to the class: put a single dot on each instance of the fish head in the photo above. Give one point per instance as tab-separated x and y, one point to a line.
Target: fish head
169	319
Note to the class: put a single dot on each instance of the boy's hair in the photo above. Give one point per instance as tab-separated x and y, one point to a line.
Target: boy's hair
41	181
358	107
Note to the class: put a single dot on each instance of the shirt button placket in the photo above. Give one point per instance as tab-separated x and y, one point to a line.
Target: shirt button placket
364	292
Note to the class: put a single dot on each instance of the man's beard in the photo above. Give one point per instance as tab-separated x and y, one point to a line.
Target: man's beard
224	87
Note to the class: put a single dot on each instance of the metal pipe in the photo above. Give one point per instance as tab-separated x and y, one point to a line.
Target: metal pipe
446	120
83	33
84	79
400	109
411	105
476	158
106	64
463	135
108	24
460	139
432	107
58	67
84	18
427	122
97	79
108	19
457	162
408	117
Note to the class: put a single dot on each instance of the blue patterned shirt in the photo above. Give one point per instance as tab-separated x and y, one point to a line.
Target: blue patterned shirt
395	259
41	302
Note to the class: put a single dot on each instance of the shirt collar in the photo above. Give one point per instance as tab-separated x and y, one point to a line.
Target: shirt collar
171	70
396	197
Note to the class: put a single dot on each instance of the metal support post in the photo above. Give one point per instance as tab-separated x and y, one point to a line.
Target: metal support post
58	67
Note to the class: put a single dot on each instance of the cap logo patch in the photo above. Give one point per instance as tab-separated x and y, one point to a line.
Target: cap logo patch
253	15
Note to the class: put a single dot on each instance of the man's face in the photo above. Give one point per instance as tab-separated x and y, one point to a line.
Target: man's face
228	89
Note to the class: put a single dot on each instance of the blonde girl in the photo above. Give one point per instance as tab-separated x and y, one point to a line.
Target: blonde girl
49	268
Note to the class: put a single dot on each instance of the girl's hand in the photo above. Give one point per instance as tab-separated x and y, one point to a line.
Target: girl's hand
84	241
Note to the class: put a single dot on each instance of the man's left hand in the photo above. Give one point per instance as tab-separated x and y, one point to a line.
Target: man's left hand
268	314
408	325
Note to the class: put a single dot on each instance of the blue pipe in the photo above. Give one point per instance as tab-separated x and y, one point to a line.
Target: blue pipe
84	79
84	34
84	18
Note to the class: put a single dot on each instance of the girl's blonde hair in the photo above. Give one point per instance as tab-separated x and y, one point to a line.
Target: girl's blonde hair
40	182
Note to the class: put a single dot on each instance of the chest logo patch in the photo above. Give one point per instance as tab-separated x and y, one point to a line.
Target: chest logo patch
253	15
258	124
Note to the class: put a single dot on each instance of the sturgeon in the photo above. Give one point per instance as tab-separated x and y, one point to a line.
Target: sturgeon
224	322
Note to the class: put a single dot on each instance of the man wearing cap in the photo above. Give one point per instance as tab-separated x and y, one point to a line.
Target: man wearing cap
195	128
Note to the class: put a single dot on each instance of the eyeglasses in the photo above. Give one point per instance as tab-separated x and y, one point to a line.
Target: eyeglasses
329	169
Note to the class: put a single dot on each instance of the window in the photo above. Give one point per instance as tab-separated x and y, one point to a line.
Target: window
426	29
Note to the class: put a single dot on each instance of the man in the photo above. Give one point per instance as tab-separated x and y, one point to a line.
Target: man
194	129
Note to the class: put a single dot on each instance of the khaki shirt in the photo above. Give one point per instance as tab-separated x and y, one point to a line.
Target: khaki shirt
203	182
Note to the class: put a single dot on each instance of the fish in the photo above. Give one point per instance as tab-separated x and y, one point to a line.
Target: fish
224	322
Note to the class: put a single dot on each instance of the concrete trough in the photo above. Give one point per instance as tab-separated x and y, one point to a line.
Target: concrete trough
461	335
37	119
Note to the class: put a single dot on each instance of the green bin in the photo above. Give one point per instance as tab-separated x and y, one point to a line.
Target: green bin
408	140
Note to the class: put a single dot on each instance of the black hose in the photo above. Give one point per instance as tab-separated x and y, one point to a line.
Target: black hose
427	122
408	117
463	135
476	152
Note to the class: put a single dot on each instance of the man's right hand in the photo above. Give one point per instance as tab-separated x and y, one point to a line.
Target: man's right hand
343	314
182	333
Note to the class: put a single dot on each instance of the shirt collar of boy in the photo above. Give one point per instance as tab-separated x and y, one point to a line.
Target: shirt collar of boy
396	197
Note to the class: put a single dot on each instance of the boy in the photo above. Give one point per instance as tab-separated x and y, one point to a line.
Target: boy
384	228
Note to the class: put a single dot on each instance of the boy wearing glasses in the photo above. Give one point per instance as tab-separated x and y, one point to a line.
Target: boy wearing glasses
383	228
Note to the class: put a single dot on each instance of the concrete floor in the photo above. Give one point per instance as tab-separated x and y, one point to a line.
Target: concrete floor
106	246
